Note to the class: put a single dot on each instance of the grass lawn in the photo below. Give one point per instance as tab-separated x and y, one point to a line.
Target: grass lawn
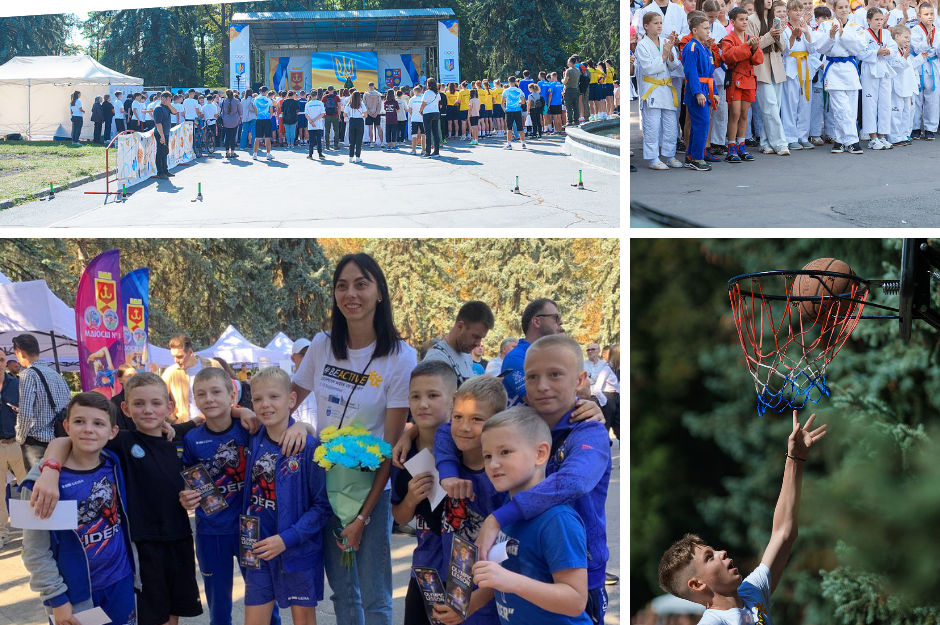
27	167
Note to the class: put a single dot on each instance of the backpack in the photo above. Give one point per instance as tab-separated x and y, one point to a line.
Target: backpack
60	415
330	105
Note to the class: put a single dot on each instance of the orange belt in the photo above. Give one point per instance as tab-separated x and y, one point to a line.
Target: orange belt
711	89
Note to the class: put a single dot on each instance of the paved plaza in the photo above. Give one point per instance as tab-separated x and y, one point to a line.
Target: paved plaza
470	186
20	606
897	188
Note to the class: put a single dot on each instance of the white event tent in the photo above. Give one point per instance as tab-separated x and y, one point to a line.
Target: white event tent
35	92
31	307
281	343
234	348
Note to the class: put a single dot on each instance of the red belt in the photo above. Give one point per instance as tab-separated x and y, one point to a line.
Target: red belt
711	89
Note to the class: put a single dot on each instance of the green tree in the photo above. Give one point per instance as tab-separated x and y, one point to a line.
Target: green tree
36	35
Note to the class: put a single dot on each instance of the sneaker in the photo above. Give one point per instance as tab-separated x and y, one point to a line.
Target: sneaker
718	150
270	156
321	156
915	134
837	148
659	166
675	163
680	146
310	156
743	153
928	136
698	165
784	151
358	160
828	139
254	156
752	143
886	143
351	160
425	156
795	146
767	150
855	148
733	155
404	530
806	145
816	140
508	146
523	145
711	159
611	580
875	144
414	151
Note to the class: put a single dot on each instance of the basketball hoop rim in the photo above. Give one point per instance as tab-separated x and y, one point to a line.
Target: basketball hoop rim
867	284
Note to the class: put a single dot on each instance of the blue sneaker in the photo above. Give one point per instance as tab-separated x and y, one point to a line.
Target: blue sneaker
711	159
744	154
732	156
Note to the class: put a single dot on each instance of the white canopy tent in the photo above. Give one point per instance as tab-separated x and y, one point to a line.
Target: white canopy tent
32	308
234	348
35	92
281	343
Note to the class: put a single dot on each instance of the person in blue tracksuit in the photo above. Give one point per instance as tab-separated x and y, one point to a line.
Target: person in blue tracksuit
699	91
288	496
95	564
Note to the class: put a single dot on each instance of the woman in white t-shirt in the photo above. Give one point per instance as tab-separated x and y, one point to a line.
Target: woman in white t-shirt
431	114
360	371
78	116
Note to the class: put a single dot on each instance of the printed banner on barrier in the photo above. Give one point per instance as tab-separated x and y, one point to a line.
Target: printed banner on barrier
239	51
135	302
345	69
98	321
137	153
448	41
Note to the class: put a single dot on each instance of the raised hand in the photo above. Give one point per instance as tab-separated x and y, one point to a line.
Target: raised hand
803	438
836	27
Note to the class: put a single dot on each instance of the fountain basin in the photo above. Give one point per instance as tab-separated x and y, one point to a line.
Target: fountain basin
591	144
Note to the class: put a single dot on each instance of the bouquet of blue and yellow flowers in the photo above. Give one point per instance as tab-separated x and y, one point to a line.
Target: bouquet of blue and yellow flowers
350	455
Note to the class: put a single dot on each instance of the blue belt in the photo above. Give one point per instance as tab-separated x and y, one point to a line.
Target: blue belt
840	59
933	78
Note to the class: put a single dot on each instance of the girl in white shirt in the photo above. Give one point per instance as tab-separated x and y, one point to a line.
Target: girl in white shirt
656	58
77	114
355	114
878	61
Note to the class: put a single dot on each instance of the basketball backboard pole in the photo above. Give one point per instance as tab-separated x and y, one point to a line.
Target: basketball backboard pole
918	260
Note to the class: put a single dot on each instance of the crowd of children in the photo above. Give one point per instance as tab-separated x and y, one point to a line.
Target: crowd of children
534	478
715	77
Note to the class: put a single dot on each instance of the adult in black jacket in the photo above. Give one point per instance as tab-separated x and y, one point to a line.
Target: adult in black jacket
97	118
108	110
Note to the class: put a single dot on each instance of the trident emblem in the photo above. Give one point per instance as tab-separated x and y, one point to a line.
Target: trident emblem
345	69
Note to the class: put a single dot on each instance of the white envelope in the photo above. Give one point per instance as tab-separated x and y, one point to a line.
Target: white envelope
64	516
423	462
94	616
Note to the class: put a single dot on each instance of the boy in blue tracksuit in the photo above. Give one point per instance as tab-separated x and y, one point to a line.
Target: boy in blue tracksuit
288	495
94	565
221	445
699	90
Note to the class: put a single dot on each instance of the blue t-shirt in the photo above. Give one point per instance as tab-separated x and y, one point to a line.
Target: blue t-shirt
755	593
514	98
263	105
464	518
546	87
514	381
557	89
551	542
99	521
524	84
478	368
263	494
429	552
223	454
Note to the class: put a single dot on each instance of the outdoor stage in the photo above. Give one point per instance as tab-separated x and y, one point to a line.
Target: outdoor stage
306	50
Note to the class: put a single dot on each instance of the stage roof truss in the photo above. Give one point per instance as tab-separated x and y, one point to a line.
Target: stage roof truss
338	30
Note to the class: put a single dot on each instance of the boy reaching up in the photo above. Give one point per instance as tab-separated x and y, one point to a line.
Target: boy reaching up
692	570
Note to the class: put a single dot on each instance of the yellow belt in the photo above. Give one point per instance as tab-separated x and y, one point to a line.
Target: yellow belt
800	56
660	82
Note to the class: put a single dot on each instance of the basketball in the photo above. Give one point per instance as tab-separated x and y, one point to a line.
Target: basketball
824	287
